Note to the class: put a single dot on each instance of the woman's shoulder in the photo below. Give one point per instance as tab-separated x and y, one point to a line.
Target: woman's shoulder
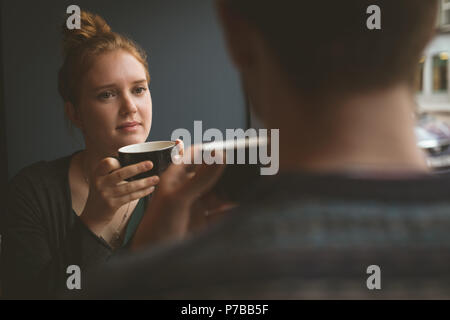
36	189
44	172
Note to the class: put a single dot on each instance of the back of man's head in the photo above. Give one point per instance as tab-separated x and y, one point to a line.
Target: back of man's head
327	46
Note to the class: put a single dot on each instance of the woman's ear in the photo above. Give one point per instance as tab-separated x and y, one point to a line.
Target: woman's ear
73	114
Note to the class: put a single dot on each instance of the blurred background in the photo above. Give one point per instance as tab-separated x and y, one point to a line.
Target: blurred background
433	94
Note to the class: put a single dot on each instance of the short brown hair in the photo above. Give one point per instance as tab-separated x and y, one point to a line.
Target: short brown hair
326	46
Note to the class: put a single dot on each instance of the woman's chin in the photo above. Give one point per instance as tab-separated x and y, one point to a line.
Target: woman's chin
122	140
131	140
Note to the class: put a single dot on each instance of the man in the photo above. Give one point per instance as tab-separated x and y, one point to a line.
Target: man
354	212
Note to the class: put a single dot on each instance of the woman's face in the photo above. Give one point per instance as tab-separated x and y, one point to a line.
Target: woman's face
115	91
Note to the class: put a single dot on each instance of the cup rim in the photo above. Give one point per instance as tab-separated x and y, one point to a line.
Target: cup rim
171	145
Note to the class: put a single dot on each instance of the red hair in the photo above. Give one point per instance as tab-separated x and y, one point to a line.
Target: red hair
81	46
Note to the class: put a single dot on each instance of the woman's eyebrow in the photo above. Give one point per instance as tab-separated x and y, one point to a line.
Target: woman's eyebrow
104	86
113	85
140	81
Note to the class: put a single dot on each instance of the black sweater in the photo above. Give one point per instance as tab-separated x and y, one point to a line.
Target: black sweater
41	233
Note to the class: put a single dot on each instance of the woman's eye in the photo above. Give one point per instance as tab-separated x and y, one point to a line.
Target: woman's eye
106	95
140	90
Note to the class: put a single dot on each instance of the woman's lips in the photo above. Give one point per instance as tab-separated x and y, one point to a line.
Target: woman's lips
130	128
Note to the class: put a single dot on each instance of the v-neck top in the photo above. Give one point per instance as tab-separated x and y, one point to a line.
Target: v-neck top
133	222
136	215
135	219
42	235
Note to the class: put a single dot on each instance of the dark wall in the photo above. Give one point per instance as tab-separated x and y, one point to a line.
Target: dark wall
192	78
3	157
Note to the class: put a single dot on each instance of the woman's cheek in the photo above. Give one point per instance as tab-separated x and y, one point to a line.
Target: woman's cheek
148	124
147	114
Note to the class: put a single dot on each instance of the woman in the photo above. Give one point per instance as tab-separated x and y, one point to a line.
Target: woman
77	210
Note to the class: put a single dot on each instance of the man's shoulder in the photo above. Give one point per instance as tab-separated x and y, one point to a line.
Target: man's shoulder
400	188
311	273
192	270
276	245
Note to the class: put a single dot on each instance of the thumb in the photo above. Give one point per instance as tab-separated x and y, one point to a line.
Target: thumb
106	166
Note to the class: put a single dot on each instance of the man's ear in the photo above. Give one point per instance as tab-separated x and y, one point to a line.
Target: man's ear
73	114
239	35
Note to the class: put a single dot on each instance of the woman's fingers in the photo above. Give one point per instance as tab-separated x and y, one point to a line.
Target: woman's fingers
130	187
128	172
180	146
134	195
106	166
110	167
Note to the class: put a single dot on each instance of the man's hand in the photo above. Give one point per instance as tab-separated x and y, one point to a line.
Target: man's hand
168	213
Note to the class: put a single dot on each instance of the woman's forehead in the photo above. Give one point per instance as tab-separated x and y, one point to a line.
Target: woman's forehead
112	67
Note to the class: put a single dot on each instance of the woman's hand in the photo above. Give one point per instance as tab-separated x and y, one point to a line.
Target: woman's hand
180	146
168	213
108	191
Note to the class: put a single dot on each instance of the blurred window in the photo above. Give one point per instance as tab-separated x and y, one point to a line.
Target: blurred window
445	12
440	70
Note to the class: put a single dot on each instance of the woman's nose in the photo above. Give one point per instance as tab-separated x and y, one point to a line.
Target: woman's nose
128	105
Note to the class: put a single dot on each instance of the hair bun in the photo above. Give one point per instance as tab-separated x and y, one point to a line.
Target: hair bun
92	26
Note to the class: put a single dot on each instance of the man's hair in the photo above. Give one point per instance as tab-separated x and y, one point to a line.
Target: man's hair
326	46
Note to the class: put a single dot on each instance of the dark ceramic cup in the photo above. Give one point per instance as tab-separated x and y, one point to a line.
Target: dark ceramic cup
158	152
